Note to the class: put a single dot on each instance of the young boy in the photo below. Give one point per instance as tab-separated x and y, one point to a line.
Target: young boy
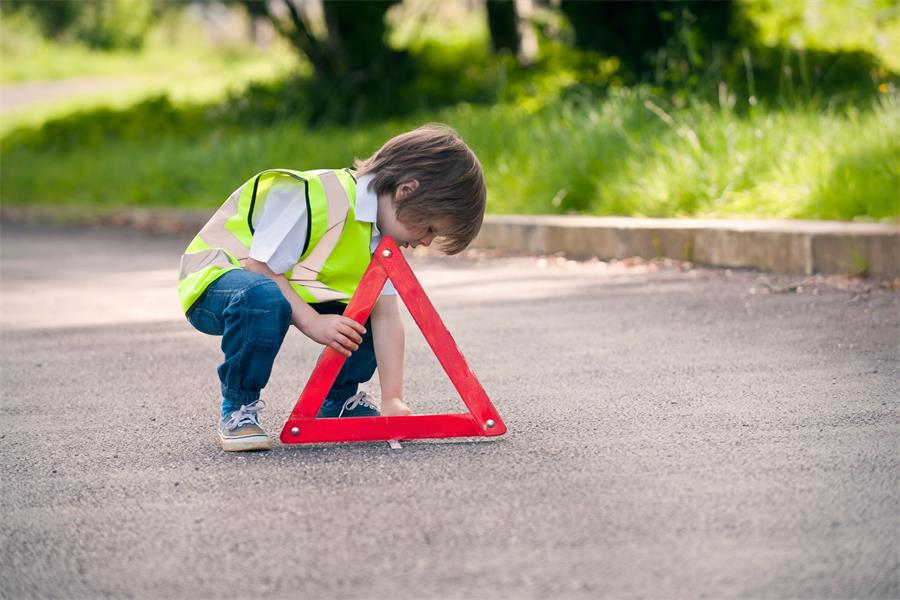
289	247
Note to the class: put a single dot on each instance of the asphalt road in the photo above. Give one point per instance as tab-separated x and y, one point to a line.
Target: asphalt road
672	433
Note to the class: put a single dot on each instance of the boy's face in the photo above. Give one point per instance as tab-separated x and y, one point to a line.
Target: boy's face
389	224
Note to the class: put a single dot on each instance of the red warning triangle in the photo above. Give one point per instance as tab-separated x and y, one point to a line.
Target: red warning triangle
302	427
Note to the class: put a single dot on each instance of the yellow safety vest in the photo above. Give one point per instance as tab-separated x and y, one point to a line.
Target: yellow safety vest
334	257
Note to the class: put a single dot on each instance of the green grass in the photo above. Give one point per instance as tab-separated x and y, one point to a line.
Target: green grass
191	82
545	148
838	25
628	154
175	62
27	56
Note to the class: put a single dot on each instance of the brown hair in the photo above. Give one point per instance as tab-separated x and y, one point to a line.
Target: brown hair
451	184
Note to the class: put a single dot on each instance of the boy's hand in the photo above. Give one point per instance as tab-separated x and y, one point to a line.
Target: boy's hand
336	331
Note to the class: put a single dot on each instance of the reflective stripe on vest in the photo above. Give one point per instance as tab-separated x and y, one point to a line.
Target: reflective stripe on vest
214	232
306	272
196	261
337	247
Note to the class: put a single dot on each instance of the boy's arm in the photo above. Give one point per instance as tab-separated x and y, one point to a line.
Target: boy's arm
389	340
336	331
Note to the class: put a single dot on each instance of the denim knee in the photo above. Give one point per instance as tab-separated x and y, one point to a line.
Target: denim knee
266	295
267	311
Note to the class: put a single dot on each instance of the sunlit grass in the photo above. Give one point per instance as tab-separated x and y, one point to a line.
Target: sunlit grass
189	81
626	155
837	25
174	44
176	61
630	153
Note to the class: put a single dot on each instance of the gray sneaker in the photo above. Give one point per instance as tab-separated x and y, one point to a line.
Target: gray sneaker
358	405
241	431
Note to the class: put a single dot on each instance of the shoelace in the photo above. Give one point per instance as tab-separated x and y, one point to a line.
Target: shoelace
360	398
247	415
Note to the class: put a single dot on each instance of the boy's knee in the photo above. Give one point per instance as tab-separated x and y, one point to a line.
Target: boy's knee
266	297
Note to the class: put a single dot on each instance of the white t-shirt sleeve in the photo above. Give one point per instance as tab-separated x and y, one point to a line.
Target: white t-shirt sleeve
280	231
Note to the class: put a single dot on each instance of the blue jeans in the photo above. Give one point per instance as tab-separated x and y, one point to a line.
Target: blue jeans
252	315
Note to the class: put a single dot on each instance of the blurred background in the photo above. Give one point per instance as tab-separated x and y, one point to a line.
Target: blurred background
747	108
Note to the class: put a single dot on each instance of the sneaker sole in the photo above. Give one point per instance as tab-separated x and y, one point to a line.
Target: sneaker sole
246	443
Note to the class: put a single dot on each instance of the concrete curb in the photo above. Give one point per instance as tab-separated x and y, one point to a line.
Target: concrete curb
781	246
163	220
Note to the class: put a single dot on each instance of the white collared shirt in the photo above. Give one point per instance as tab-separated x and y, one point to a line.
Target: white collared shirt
281	229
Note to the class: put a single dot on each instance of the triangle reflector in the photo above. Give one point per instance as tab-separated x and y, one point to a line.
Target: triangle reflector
302	427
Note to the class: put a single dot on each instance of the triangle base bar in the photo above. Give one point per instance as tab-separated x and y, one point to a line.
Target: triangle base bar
482	419
382	429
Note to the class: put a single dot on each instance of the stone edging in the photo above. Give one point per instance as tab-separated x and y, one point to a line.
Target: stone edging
781	246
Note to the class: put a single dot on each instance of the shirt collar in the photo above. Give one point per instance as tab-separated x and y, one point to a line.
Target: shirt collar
366	200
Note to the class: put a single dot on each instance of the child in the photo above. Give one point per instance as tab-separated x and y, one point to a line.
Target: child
289	247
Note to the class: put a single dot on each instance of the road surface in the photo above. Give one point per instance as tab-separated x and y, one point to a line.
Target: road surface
672	433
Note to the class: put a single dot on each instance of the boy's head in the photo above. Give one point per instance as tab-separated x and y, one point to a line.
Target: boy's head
432	183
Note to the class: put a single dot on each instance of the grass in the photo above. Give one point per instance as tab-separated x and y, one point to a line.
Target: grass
544	148
27	56
870	25
628	154
174	62
190	83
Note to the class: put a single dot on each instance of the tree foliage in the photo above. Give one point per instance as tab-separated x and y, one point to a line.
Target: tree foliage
353	41
638	33
348	58
101	24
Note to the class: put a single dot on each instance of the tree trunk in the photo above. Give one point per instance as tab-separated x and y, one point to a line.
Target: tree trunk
503	25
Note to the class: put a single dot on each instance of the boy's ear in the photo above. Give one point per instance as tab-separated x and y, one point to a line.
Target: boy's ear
405	189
